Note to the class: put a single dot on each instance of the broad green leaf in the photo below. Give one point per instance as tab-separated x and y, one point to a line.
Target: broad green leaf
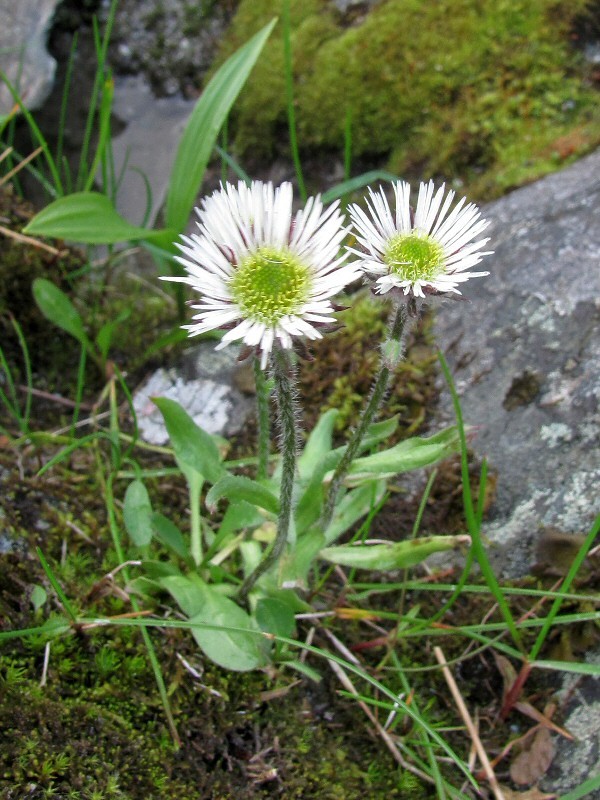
57	307
237	487
275	616
137	514
88	217
318	444
392	555
157	570
169	535
200	135
407	455
239	515
187	594
353	506
38	596
194	448
238	650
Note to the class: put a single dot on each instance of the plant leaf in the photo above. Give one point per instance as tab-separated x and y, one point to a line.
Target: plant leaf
318	444
353	506
194	448
198	140
237	487
407	455
90	218
392	555
239	650
58	308
137	514
169	535
275	616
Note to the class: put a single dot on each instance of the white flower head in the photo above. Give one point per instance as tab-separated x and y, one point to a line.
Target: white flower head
260	270
429	252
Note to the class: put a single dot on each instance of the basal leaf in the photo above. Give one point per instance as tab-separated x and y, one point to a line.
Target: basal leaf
88	217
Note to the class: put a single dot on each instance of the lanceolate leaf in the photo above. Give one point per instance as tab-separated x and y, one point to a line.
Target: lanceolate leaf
407	455
194	448
137	514
88	217
57	307
198	140
240	649
237	487
392	555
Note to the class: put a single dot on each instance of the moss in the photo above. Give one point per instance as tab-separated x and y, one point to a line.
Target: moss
483	92
348	361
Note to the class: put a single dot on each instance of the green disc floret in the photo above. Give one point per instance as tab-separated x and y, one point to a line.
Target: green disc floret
414	256
269	284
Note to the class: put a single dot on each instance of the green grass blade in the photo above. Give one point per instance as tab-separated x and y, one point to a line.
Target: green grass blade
56	586
570	577
472	518
200	135
583	790
289	95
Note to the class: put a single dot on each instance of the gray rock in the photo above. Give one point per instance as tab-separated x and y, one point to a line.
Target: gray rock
146	147
204	384
23	54
525	355
578	760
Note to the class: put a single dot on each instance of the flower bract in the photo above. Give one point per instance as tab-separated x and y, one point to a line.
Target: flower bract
261	271
428	252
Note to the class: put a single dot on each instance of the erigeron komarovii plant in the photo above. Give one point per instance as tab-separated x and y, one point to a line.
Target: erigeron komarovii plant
268	276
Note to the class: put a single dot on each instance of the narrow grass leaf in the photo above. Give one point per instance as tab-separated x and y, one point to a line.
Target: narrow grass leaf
207	118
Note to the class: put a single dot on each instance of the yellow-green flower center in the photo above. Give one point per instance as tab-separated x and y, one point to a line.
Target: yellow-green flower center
414	256
269	284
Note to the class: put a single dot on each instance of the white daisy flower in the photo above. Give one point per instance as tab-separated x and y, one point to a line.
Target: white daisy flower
425	253
262	272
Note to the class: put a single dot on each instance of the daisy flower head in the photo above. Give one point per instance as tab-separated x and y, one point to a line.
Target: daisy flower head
426	252
261	271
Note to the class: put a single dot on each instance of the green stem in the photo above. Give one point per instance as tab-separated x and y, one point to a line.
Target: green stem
377	394
289	95
286	407
195	482
262	403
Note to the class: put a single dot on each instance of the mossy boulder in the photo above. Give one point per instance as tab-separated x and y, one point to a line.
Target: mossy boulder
454	89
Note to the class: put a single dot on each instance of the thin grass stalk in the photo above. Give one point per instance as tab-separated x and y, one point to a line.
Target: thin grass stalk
286	407
348	144
101	49
263	419
473	523
28	376
375	399
289	95
79	388
570	577
38	135
64	103
104	131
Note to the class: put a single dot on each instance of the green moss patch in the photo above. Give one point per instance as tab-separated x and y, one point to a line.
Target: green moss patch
490	93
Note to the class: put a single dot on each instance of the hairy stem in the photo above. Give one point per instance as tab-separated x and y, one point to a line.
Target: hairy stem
262	403
286	407
374	402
